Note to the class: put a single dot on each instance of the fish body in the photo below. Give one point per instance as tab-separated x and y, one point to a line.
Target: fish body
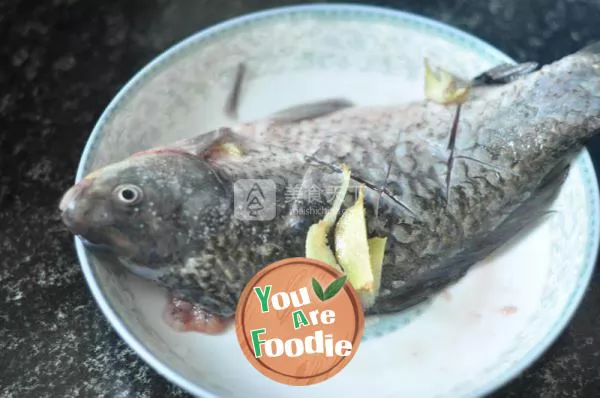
446	184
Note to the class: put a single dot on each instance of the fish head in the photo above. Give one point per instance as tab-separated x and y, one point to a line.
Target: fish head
148	208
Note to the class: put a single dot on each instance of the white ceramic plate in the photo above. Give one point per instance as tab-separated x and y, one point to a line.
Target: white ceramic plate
466	342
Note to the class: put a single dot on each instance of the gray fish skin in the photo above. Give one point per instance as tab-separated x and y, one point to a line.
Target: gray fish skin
513	147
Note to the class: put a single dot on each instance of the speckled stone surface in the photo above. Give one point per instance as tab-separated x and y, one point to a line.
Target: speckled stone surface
61	62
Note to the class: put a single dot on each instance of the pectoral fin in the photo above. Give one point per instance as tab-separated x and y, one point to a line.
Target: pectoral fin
184	316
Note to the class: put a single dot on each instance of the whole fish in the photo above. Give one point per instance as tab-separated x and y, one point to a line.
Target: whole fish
446	184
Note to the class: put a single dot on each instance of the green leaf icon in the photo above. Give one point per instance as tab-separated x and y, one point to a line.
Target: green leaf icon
318	289
335	287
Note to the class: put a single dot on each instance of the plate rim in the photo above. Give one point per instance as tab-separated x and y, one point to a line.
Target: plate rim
450	32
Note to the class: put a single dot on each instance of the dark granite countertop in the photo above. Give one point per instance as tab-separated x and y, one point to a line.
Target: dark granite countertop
61	62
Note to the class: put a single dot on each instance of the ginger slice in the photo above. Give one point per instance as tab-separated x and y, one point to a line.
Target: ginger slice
443	87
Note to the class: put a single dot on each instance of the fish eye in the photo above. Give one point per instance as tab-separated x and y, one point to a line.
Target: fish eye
128	194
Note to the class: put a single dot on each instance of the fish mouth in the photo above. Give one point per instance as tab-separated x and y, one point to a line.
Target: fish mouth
85	235
75	207
73	224
69	199
71	210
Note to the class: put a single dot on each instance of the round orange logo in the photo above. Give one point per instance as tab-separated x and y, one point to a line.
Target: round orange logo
299	322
